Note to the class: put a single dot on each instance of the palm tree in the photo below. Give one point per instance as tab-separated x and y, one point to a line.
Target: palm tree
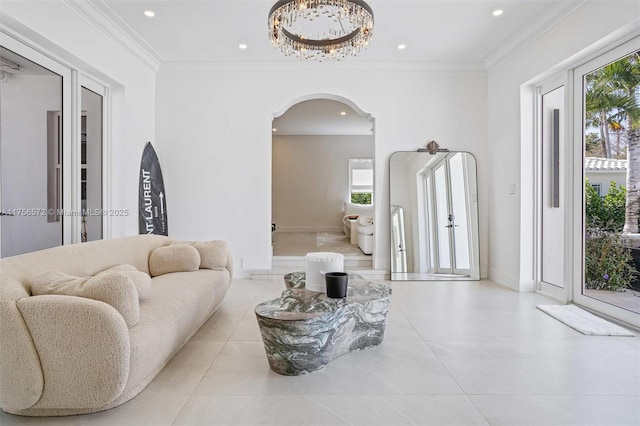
627	72
612	96
600	102
624	78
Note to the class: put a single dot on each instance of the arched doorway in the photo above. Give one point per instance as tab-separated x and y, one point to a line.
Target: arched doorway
323	149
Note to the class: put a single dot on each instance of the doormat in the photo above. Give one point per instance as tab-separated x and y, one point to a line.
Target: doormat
583	321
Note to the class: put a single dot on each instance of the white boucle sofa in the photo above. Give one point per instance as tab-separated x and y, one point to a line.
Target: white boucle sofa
64	355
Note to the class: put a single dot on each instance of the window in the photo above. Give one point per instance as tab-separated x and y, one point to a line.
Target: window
361	180
598	188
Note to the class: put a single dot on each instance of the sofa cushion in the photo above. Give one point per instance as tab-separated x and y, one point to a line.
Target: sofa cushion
111	287
141	280
213	254
174	258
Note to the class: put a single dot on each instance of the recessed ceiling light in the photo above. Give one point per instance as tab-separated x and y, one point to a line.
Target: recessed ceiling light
274	130
402	46
497	12
242	46
149	13
343	113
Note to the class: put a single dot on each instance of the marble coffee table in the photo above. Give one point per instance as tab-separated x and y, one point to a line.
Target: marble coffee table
303	330
297	279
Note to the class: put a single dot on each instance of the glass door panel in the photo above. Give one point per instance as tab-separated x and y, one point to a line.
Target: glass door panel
606	96
431	239
91	165
611	140
442	220
398	245
459	216
31	148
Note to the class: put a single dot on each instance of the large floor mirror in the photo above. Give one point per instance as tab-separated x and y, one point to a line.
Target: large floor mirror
434	216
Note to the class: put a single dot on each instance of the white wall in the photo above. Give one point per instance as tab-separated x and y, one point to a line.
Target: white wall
24	103
604	178
214	138
509	137
61	29
310	177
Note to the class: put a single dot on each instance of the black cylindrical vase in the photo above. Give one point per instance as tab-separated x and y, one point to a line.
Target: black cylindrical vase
336	284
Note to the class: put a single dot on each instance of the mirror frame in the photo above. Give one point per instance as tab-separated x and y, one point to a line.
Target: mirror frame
474	243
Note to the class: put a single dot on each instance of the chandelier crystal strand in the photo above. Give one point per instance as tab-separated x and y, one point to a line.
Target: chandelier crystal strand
296	27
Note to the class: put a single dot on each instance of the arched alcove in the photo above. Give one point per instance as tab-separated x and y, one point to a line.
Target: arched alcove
328	96
316	139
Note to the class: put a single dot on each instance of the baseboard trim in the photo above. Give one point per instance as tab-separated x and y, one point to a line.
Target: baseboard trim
251	263
504	279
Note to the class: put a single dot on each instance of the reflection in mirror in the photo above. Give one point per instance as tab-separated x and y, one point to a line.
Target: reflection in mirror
91	165
434	216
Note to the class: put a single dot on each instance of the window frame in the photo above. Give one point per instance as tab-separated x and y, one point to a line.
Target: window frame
606	57
361	164
73	79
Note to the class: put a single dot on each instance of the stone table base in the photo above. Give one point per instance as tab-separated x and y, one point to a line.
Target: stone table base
297	279
303	331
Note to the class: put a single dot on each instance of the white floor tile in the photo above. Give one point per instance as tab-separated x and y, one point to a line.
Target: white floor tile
145	409
454	353
255	410
389	369
398	328
402	410
221	325
11	420
561	410
477	325
185	371
247	328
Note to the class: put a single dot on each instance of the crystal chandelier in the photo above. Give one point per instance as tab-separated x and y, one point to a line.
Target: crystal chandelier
320	29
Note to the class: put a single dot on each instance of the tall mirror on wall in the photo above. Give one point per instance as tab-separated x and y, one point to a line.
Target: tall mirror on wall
434	216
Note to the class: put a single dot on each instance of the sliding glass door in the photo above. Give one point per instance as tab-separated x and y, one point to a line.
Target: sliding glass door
53	135
607	89
33	135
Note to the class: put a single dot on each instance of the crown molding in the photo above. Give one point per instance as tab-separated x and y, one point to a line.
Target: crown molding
553	16
100	17
361	67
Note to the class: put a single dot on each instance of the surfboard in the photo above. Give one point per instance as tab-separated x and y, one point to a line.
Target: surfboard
152	200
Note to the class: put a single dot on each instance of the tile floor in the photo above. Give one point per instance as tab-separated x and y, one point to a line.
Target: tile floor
301	243
455	353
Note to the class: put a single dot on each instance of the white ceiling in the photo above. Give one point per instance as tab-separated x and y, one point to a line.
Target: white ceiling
459	34
433	30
